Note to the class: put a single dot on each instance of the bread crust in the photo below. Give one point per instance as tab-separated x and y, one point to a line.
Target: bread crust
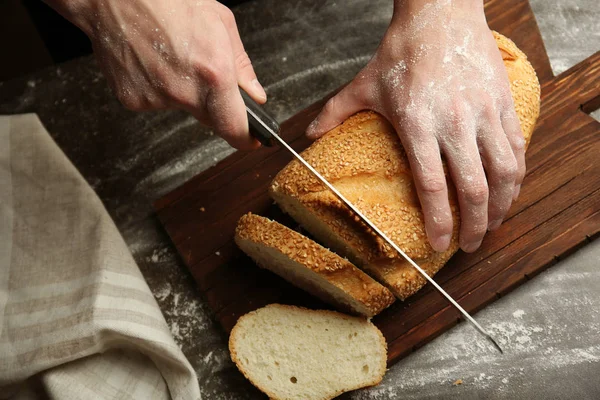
332	268
237	362
364	159
524	84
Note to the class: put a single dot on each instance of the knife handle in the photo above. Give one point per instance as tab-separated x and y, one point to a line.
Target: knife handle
260	123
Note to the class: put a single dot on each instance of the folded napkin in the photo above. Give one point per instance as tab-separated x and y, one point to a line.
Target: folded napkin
77	319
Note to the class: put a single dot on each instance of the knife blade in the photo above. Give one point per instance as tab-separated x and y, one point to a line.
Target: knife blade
266	130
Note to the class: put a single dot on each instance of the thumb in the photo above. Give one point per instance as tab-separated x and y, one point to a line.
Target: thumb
246	76
337	109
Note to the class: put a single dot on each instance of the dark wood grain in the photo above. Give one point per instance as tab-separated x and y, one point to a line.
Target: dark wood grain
557	211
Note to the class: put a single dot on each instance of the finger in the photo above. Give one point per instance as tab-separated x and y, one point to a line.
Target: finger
426	165
500	166
227	112
347	102
514	134
467	173
220	101
246	76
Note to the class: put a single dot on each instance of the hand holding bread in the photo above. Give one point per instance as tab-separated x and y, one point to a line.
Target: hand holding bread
365	160
438	78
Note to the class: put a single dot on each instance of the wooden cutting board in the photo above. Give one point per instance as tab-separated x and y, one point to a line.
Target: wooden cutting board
558	209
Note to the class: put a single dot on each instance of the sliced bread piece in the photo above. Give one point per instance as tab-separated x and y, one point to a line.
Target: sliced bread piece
364	159
295	353
310	266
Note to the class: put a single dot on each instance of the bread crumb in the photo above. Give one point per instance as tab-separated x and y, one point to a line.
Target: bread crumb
202	209
218	253
458	382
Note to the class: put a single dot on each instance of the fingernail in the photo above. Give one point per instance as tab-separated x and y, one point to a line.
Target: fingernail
442	243
516	192
471	247
310	131
494	224
260	91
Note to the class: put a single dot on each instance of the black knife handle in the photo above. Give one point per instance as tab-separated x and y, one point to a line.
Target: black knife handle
257	119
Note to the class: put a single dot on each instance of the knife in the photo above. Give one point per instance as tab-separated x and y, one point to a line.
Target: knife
266	130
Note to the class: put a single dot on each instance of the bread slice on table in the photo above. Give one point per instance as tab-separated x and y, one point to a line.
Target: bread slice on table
295	353
310	266
364	159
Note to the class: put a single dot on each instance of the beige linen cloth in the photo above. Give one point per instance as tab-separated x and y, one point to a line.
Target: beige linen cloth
77	319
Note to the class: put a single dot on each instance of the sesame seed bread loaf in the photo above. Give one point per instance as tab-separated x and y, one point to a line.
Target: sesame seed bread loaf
365	161
294	353
310	266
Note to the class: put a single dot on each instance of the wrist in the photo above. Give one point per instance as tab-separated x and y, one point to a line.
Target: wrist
407	9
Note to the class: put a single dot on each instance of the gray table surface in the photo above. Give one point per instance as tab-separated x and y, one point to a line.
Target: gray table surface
550	327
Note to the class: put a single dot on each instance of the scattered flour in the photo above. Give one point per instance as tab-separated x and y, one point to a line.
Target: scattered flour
162	292
384	393
158	255
515	336
184	317
537	341
208	357
191	163
548	336
307	73
396	73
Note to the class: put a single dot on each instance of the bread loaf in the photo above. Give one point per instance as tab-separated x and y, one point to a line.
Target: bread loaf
310	266
364	159
295	353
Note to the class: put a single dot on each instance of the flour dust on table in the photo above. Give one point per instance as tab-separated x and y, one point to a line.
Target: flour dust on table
532	325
